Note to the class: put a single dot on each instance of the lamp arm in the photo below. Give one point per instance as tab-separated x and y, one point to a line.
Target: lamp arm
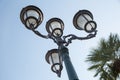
44	36
39	34
51	37
73	37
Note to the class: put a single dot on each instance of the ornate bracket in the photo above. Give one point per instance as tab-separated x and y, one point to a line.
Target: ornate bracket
73	37
66	39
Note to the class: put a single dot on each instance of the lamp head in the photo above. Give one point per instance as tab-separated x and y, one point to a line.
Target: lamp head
83	20
55	26
31	16
55	60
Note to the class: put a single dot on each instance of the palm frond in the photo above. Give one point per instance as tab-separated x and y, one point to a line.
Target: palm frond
94	67
107	51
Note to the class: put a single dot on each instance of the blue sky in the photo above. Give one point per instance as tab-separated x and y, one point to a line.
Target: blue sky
22	53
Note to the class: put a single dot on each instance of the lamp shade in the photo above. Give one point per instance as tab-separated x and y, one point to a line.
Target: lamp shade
83	20
55	26
31	16
55	60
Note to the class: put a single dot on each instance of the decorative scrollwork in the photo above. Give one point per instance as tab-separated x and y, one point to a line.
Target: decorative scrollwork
73	37
66	39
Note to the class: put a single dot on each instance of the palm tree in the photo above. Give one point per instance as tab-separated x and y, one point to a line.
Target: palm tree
105	59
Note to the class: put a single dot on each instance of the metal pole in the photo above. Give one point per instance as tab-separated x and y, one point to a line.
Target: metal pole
68	64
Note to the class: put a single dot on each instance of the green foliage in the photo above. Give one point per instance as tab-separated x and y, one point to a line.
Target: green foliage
102	57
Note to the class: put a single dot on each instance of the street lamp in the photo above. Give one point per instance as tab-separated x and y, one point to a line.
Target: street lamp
55	26
83	20
53	58
31	16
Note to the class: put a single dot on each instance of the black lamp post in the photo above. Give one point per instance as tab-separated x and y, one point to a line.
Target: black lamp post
31	16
